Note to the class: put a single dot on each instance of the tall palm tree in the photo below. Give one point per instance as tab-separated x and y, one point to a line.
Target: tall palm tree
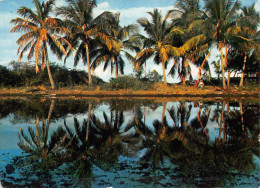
40	29
193	42
79	18
249	20
220	19
113	54
158	41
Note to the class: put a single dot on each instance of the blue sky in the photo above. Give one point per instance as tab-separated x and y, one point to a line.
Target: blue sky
130	11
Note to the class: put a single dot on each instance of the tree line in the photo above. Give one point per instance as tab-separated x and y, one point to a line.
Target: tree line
185	35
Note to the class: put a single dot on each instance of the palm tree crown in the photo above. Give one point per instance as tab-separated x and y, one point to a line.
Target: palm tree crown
113	54
39	30
85	28
159	40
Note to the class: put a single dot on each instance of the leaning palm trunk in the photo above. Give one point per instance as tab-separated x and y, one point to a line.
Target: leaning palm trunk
203	63
200	121
49	71
88	62
164	74
241	84
48	123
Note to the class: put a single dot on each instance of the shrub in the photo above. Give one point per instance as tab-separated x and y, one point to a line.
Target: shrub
129	82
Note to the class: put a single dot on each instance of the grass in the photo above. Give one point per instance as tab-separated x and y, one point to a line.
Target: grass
158	89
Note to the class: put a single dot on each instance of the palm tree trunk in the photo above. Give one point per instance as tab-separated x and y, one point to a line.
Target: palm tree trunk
200	121
241	113
163	130
222	119
145	69
241	84
164	74
228	81
50	76
183	72
38	139
88	62
164	109
202	65
88	123
48	123
223	70
49	70
116	69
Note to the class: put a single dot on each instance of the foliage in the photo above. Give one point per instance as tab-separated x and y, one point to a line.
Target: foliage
154	76
40	29
25	76
129	82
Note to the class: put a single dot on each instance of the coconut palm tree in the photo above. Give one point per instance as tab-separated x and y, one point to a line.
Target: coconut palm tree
85	28
40	29
248	21
193	42
158	41
220	19
113	54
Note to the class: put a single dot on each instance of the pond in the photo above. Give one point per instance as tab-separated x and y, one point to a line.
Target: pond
156	142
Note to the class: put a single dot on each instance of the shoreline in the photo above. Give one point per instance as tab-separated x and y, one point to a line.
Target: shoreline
188	92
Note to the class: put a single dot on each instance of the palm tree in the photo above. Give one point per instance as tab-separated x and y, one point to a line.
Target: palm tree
40	29
249	20
113	54
193	42
159	40
220	19
85	28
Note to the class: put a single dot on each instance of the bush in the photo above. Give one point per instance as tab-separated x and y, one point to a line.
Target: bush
129	82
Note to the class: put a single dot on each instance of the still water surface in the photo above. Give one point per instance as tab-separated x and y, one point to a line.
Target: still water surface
129	143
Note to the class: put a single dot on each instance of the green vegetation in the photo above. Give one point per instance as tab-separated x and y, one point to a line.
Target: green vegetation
182	37
23	75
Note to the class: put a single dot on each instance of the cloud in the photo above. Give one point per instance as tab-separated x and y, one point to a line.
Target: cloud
130	15
104	5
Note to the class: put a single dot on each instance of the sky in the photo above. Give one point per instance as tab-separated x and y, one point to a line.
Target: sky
130	11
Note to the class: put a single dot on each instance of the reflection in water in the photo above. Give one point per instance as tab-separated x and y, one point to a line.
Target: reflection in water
173	148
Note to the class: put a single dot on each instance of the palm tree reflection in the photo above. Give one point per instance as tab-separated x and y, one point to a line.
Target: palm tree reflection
98	142
47	151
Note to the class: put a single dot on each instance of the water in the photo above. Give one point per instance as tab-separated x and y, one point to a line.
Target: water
155	142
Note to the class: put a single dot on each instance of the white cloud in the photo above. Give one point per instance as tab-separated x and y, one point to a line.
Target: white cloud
104	5
130	15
